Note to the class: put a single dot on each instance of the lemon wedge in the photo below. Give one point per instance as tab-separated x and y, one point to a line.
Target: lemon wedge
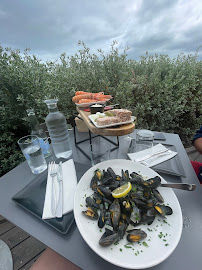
122	190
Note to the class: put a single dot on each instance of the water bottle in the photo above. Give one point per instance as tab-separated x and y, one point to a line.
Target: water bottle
39	132
58	131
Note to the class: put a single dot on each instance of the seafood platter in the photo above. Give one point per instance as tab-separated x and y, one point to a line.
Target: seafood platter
125	216
84	99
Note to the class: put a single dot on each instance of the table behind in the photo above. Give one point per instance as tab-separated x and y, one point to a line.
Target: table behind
73	247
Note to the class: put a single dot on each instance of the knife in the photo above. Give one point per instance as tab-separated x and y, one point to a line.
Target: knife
59	209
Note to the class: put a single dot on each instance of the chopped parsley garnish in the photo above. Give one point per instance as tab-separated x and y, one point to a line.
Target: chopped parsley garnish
145	244
126	246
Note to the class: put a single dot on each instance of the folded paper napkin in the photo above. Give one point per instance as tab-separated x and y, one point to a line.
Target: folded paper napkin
152	156
69	188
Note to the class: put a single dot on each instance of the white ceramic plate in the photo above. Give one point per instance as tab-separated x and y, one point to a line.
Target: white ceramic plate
86	105
133	118
139	256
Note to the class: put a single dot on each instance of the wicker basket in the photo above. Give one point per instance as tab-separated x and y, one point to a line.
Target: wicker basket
81	126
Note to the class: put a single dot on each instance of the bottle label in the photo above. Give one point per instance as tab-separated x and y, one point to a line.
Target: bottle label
44	145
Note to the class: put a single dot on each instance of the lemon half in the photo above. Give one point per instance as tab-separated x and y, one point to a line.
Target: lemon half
122	190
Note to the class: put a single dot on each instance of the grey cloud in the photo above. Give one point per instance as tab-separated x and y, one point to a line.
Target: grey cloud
51	27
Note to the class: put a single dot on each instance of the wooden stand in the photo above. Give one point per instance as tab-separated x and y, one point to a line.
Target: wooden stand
119	130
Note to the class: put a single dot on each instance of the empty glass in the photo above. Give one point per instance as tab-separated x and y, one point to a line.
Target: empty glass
144	140
99	151
32	151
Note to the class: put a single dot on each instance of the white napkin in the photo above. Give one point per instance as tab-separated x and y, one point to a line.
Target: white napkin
152	156
69	188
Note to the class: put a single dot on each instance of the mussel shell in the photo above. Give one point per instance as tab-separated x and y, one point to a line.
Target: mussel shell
91	213
108	218
115	212
97	197
114	185
122	229
124	176
93	182
104	191
101	219
107	180
147	219
152	202
158	196
136	178
163	210
91	203
136	235
152	182
112	173
140	203
106	241
137	195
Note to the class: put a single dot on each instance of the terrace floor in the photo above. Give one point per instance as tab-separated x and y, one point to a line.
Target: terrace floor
26	249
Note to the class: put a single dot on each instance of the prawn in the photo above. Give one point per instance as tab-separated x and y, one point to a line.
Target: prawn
101	96
75	99
81	93
86	101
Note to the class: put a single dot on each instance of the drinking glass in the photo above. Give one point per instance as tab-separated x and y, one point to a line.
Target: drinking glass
99	151
144	140
32	151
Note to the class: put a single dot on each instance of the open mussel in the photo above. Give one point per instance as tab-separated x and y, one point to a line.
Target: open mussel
97	197
163	210
136	235
97	177
91	203
152	182
104	191
98	174
91	213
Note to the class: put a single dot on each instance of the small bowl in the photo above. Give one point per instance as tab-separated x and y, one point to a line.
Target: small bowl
96	108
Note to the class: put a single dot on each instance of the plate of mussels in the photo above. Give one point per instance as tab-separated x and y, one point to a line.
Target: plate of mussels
135	230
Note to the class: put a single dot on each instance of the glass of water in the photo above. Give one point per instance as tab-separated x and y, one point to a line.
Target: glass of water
32	151
144	140
99	151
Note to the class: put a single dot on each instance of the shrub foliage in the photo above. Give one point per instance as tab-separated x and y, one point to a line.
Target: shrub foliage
164	94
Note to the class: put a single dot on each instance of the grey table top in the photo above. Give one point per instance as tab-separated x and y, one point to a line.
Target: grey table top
187	254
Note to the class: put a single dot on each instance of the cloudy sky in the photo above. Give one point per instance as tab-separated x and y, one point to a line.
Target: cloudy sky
50	27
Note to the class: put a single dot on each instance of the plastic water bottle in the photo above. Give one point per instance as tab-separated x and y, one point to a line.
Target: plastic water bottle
58	131
39	132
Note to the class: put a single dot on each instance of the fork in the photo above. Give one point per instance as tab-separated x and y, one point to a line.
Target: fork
53	173
146	163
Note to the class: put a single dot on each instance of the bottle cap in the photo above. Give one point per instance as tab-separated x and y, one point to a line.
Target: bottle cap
51	103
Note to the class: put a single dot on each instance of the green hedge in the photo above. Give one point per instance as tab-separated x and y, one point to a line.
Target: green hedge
164	93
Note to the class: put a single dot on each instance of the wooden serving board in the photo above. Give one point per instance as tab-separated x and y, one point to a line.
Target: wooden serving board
119	130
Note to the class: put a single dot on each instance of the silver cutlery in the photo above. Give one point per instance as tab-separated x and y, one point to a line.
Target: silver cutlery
151	155
189	187
53	173
59	209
